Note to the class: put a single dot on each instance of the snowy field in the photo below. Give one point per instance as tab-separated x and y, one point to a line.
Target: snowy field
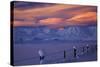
27	54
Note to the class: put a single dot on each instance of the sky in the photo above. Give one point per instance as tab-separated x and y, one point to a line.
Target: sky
53	15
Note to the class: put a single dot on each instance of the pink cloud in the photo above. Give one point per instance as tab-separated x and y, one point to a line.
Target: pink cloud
49	21
82	18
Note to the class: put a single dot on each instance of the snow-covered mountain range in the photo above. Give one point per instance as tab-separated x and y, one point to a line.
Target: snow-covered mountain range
43	33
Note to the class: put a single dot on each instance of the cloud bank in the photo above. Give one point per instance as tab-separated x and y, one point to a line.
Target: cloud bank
53	14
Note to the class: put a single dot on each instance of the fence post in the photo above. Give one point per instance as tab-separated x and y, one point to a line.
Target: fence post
64	55
74	49
87	48
41	55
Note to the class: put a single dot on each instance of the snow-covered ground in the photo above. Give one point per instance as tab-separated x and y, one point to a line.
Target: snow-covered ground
27	54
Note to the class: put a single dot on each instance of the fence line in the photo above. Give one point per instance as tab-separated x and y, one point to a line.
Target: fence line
64	53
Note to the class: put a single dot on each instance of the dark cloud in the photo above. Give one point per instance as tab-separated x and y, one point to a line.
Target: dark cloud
27	5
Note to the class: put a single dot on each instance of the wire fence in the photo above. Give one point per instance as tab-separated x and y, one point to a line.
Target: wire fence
64	55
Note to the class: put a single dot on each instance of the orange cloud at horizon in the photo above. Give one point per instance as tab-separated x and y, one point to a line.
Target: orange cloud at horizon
51	21
21	23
